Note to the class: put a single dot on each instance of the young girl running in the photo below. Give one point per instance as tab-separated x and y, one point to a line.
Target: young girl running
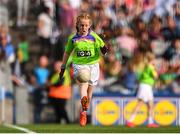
85	47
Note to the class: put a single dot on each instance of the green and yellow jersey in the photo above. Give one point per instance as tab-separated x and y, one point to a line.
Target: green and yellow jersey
86	49
148	75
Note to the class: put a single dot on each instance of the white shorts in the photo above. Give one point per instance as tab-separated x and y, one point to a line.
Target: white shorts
145	92
94	70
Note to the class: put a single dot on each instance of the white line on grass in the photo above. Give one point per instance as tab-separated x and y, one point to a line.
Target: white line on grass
19	128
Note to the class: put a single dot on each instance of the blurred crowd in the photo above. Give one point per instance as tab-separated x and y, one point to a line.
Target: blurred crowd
130	28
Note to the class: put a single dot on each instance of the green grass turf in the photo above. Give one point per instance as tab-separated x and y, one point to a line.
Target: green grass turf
75	128
8	130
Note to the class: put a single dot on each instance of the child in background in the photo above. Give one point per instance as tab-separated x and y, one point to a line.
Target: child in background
145	91
41	73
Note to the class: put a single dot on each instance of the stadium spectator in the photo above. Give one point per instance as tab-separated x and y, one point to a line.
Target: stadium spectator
167	77
127	43
171	30
67	15
177	13
155	28
148	10
4	14
172	54
23	52
84	6
51	5
112	71
22	12
175	59
129	79
5	73
40	95
7	47
60	92
176	85
4	29
44	31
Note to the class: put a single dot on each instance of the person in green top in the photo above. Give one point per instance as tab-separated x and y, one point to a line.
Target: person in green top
145	92
23	52
85	47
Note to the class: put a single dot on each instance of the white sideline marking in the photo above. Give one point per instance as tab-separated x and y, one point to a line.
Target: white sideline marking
19	128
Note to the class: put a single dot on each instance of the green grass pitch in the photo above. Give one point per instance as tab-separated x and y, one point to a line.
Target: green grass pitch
75	128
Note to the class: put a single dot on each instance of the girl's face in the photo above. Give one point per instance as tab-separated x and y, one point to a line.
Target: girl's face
83	27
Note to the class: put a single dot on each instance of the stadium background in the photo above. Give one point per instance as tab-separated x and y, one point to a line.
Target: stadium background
128	27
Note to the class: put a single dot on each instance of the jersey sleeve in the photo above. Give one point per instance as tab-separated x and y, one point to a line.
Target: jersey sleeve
69	46
99	41
153	71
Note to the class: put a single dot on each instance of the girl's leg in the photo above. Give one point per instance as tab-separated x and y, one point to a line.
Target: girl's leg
84	102
83	89
151	123
136	109
90	92
83	94
150	112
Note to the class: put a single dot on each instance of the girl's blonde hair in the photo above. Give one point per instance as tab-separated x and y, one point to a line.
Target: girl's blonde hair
149	56
137	62
83	16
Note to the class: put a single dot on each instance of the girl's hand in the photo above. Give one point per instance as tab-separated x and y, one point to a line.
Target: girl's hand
61	74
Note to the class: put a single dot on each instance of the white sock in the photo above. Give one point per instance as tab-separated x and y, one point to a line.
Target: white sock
132	117
150	120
